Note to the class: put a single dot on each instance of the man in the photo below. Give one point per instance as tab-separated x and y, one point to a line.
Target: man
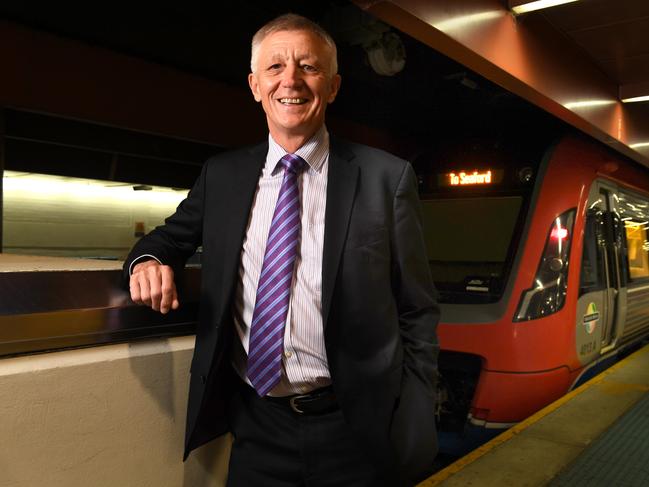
316	342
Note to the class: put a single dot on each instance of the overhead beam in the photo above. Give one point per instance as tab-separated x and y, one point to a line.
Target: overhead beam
47	73
63	77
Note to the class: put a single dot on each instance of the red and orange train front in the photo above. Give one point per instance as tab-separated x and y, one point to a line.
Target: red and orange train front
504	229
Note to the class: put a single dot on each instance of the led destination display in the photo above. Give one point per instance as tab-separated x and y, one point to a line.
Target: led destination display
475	177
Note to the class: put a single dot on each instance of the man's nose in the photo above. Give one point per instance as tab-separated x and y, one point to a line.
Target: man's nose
291	76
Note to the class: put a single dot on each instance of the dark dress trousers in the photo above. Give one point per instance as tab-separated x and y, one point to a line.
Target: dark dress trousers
378	305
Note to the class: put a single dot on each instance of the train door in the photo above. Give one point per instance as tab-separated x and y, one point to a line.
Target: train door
613	266
603	277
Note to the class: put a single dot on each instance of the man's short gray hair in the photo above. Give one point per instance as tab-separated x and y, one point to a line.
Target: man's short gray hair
292	22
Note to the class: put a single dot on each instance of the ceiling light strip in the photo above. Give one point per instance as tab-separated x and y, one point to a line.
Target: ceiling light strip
538	5
636	99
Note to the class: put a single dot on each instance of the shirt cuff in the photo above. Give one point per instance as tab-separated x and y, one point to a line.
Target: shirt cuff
145	256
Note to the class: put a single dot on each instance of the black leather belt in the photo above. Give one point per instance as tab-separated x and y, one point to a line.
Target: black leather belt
319	401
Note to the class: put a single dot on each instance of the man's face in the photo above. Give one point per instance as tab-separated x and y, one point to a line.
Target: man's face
293	82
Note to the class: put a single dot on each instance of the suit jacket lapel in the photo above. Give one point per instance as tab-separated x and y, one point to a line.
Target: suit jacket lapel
341	188
240	189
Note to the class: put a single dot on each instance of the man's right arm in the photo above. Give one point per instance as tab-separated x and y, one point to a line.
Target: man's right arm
160	255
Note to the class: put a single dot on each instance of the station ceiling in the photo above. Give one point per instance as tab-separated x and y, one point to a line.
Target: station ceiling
211	39
613	33
576	61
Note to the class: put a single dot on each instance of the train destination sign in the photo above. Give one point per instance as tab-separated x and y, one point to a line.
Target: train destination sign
482	177
463	178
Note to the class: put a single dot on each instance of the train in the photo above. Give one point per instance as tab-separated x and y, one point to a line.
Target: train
540	254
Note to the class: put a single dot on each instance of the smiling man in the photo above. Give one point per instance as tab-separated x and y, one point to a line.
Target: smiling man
294	76
316	344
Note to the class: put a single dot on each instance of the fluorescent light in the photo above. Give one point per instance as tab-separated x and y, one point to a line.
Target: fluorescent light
77	190
636	99
588	103
538	5
464	21
639	144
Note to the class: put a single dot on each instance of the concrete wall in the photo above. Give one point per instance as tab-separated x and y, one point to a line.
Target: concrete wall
59	76
109	416
55	75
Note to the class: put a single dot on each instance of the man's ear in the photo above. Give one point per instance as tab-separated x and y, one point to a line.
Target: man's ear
254	86
335	86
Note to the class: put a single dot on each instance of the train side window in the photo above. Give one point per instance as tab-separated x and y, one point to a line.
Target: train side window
593	277
637	248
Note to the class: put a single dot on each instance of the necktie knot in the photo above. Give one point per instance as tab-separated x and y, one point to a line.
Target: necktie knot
293	163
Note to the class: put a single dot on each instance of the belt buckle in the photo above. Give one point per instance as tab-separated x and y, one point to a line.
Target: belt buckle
294	406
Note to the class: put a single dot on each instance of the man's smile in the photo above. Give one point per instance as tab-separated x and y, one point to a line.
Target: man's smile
292	101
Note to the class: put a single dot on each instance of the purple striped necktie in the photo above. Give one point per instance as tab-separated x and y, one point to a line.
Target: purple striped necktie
274	287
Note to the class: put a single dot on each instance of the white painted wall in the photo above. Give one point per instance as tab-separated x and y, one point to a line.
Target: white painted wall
110	416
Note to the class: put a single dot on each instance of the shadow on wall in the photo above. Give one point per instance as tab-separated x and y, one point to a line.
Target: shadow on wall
159	381
166	380
208	465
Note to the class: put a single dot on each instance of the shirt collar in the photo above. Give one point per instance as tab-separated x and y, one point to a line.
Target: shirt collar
314	151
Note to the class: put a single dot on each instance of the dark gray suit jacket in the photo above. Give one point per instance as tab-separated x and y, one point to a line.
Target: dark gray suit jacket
378	305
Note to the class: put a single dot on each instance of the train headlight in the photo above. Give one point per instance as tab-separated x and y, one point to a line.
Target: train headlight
548	292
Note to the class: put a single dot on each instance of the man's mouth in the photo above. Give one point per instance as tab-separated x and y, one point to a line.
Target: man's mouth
292	101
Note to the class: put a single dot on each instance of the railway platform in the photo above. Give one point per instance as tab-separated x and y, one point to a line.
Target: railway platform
598	435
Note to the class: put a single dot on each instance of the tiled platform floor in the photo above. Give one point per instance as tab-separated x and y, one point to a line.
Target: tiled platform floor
620	457
597	435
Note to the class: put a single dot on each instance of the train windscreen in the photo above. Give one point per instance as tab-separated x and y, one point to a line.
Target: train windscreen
476	194
468	242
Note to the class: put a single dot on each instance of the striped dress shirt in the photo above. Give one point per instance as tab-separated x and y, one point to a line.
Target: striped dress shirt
304	363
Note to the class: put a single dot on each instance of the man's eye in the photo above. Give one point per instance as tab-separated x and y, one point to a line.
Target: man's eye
308	68
274	67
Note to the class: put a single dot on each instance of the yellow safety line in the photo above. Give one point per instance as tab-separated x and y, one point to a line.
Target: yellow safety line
458	465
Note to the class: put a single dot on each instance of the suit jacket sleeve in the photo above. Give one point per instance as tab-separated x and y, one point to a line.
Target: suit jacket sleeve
413	287
413	425
177	240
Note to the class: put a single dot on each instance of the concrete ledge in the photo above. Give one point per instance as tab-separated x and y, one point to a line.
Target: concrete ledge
33	263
